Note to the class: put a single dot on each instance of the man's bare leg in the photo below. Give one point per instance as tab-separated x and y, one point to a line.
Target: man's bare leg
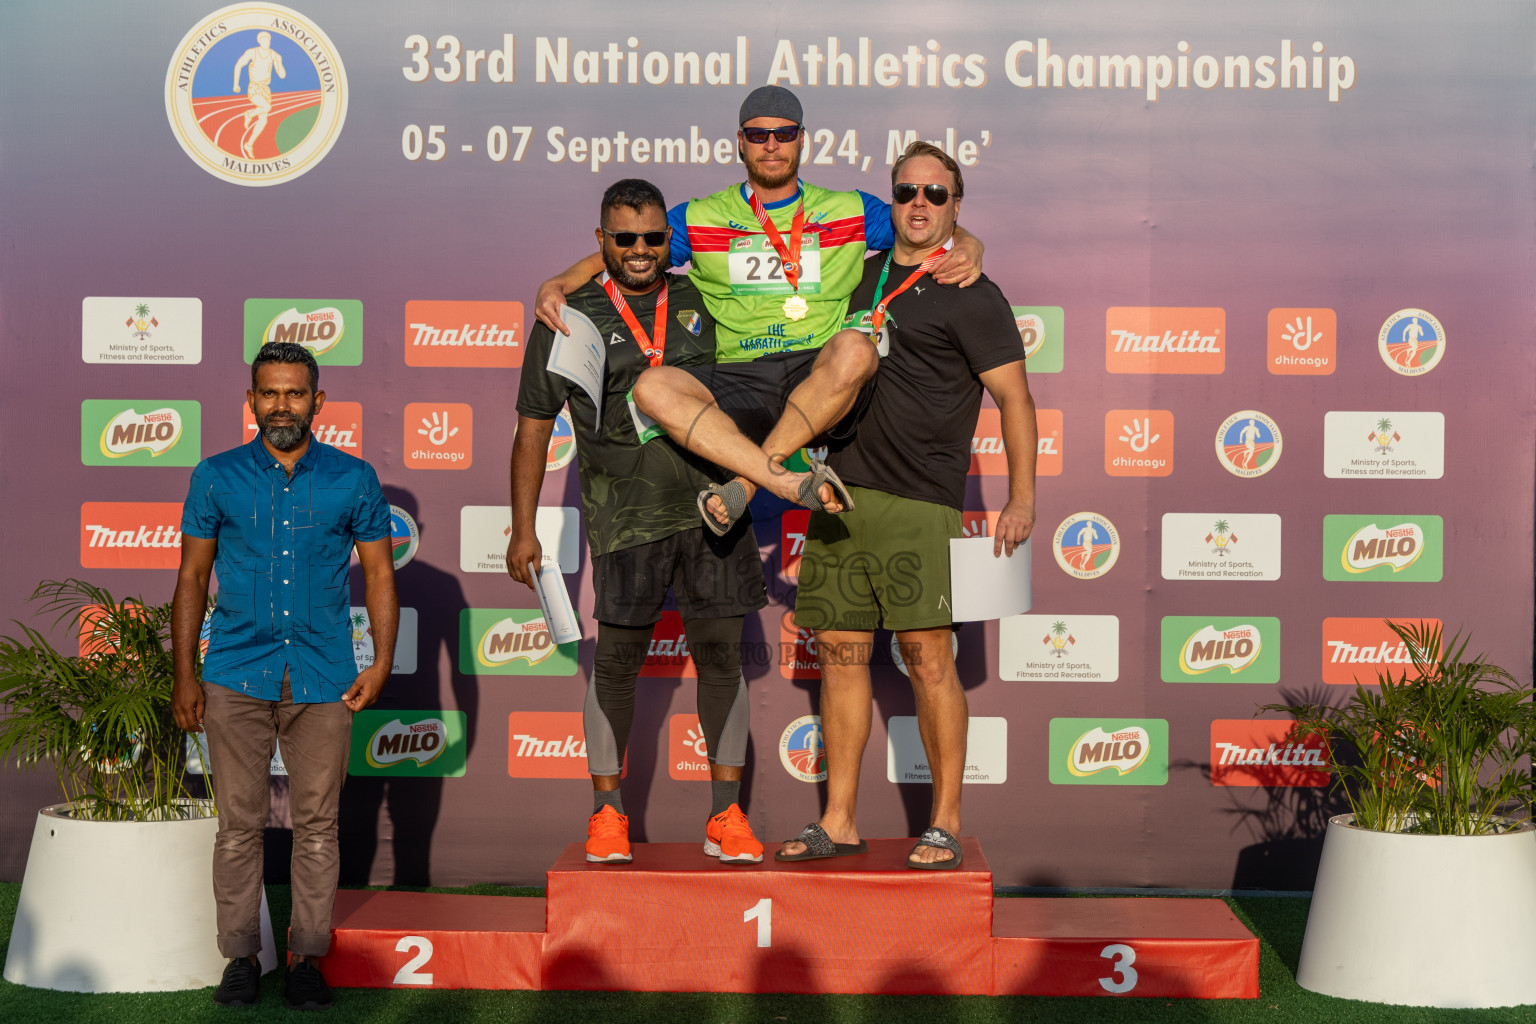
942	719
845	718
678	401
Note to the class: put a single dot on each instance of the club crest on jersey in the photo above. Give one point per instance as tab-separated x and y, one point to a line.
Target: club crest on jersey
691	321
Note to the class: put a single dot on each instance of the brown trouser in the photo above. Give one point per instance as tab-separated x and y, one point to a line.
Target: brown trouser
315	741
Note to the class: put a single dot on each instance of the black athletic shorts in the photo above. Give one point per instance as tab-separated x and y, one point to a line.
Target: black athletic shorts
756	394
711	577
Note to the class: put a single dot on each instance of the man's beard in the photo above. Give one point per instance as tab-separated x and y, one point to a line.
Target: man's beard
621	274
758	177
285	437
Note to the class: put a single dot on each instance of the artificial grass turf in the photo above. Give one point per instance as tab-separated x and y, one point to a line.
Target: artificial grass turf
1278	922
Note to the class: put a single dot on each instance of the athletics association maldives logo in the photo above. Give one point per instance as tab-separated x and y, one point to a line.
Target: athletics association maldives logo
1248	443
404	538
1086	545
800	749
562	443
1411	342
256	94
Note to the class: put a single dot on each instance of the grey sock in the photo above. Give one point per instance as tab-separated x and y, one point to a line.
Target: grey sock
608	798
722	794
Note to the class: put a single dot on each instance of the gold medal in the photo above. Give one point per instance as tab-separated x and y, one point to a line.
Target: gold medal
795	308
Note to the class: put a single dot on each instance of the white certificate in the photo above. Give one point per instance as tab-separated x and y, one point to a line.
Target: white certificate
982	586
581	357
555	603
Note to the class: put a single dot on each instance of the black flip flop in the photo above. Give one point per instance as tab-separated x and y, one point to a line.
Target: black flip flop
819	846
939	839
810	488
733	495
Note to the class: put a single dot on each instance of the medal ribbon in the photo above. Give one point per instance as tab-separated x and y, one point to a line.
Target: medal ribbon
653	350
789	255
878	316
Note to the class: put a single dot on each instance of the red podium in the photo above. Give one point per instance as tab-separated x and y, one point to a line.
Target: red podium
675	920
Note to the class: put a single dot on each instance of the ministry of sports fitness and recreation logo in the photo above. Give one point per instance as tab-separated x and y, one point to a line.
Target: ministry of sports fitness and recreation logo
1411	342
256	94
1248	443
800	749
1086	545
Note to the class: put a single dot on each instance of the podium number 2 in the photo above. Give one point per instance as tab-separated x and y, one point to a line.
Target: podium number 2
762	913
1122	956
409	975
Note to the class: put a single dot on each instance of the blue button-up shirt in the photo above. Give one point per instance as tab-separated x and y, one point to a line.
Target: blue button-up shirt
284	545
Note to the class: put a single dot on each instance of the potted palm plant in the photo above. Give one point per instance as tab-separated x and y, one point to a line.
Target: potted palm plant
118	890
1426	891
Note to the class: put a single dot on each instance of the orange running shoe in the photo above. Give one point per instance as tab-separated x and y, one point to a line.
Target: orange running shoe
608	837
729	836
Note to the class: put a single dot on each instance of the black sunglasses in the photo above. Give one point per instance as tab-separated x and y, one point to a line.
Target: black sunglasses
758	136
904	192
626	239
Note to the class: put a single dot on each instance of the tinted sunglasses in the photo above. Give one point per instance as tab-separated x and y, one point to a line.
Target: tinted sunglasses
758	136
626	239
905	192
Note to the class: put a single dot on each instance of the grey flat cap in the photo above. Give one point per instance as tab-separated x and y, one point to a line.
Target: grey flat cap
771	101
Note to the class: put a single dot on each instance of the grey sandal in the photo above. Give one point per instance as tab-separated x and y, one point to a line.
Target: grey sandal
819	846
940	839
810	488
733	495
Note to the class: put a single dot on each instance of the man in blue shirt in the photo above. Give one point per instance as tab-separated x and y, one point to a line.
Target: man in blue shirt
277	520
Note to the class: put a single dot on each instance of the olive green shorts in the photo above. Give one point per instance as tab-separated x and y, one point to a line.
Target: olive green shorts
885	563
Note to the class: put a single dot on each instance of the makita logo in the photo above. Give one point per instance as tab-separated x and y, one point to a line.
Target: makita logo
1187	341
483	336
1342	652
534	746
677	647
336	437
143	537
130	431
1290	755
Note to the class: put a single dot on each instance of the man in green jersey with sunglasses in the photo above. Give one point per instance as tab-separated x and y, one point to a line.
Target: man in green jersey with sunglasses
775	259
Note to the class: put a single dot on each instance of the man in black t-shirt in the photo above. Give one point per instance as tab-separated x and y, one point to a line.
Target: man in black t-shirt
886	562
643	528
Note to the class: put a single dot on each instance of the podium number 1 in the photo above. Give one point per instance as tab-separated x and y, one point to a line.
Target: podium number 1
409	975
762	913
1122	956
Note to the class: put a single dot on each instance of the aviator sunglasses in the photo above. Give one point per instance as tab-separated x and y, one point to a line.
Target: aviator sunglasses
758	136
626	239
904	192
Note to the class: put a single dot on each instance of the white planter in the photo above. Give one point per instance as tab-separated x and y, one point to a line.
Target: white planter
120	906
1415	920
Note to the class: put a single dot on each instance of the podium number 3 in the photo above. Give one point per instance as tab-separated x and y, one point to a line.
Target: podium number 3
409	974
1122	956
762	913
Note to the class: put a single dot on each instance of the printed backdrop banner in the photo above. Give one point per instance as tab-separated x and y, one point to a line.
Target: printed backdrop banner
1272	265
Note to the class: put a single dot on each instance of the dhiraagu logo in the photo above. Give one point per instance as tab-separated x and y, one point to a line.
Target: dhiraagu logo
1220	649
330	328
421	743
1109	752
116	432
1388	549
511	642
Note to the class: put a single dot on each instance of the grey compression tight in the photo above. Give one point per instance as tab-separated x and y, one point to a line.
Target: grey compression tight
609	711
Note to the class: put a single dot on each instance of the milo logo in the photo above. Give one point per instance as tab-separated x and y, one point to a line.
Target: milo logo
395	742
1109	752
408	743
